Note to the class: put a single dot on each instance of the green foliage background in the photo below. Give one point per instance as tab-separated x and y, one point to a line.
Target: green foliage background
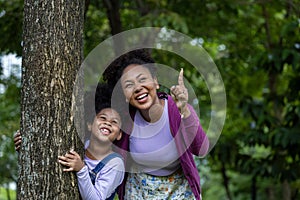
256	46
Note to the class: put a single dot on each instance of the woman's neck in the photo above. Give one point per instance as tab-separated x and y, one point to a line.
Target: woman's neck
154	113
96	151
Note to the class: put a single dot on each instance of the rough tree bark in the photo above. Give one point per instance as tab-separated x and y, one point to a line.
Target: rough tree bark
52	54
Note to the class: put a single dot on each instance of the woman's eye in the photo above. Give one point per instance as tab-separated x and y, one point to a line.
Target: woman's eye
143	79
128	85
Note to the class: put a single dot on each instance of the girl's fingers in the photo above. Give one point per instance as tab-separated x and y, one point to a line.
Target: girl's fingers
63	158
17	142
68	169
17	139
69	155
63	163
74	153
17	148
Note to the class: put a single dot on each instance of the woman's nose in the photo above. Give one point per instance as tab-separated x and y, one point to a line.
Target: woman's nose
138	87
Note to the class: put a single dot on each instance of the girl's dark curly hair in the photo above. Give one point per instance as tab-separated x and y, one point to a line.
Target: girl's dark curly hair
114	71
95	101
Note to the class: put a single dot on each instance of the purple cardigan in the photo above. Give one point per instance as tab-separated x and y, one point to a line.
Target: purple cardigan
189	139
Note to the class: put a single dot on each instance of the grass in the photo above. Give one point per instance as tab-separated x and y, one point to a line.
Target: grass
3	194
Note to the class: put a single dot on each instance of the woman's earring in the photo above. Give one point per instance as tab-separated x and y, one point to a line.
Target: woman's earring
126	100
89	126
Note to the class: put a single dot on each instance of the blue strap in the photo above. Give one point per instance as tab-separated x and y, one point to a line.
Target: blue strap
101	164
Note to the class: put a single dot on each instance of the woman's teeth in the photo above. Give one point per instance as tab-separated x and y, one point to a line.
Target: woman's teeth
141	96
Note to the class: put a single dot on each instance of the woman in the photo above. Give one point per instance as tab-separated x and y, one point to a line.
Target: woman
164	135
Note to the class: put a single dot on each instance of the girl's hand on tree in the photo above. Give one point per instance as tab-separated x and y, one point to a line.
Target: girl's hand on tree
72	160
180	95
17	140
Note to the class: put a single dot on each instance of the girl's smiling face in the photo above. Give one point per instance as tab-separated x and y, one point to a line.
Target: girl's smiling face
139	87
106	124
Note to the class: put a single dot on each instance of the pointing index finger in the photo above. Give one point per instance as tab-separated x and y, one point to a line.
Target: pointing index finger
180	78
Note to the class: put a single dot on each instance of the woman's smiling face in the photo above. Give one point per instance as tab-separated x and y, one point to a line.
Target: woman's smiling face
139	87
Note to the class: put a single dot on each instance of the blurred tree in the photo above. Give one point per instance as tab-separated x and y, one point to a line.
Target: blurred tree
9	118
262	64
11	16
256	46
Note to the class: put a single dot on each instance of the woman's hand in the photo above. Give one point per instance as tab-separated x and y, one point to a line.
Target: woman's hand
180	95
72	160
17	140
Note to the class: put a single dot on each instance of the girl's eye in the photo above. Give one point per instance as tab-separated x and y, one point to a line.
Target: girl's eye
102	118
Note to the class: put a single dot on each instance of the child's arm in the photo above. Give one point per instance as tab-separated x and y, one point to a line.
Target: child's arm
107	180
71	160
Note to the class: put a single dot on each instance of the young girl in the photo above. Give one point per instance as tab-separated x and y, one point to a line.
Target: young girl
104	128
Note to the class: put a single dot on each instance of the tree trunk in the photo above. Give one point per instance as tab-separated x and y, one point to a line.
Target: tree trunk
52	55
114	17
225	180
253	187
286	190
271	193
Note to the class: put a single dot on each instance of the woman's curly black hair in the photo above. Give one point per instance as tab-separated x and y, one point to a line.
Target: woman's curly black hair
114	71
